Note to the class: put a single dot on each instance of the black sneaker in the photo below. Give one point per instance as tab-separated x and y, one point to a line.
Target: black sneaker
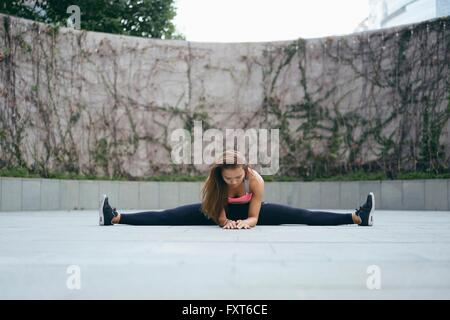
365	212
106	213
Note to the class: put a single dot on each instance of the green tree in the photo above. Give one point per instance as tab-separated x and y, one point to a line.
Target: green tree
145	18
20	8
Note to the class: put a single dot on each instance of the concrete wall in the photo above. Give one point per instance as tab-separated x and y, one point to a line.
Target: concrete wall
21	194
95	103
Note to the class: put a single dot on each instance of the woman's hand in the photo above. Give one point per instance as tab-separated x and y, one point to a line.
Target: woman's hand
230	224
243	224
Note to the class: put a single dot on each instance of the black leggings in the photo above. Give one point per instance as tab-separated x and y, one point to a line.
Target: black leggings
270	214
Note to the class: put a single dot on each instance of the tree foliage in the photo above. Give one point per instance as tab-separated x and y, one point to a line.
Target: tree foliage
145	18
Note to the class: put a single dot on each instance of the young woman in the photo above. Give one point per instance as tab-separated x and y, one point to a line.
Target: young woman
232	197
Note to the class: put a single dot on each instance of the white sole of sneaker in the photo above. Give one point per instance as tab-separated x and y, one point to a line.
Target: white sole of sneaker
370	220
101	217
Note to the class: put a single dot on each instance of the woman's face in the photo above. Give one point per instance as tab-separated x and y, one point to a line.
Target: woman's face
233	177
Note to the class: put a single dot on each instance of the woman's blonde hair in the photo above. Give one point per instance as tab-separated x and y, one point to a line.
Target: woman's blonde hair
214	190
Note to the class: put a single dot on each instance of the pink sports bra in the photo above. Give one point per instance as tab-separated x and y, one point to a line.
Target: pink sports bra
243	199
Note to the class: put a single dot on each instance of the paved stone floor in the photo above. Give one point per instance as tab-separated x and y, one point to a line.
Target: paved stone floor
66	255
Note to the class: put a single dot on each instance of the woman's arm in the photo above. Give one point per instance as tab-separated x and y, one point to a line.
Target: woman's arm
257	188
253	210
226	223
222	218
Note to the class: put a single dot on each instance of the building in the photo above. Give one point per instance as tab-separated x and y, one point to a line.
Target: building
389	13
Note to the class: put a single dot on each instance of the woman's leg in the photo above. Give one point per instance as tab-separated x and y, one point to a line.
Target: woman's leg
275	214
183	215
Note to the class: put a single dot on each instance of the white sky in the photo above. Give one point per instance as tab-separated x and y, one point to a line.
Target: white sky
267	20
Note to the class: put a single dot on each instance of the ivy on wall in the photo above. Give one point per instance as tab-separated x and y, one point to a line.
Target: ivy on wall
77	102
